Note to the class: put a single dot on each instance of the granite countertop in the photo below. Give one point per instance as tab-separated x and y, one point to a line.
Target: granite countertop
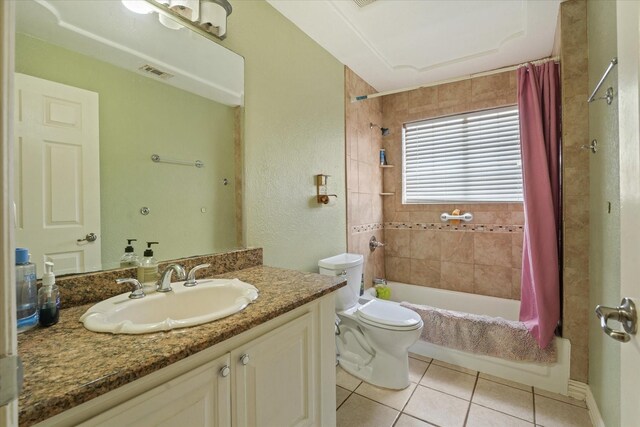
66	365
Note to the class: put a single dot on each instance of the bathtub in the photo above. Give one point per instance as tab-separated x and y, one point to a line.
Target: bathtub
554	377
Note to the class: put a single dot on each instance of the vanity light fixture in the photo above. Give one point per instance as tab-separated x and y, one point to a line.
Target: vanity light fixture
206	17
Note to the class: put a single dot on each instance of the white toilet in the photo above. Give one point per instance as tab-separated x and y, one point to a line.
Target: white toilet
372	336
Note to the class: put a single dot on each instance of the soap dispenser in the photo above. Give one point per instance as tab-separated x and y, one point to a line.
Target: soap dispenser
48	298
129	258
148	268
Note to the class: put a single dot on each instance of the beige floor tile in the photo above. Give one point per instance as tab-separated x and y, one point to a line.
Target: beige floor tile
449	381
420	357
505	382
479	416
455	367
346	380
553	413
437	408
341	395
416	369
561	398
407	421
394	398
359	411
505	399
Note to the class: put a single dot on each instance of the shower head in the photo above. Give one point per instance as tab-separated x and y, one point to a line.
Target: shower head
384	131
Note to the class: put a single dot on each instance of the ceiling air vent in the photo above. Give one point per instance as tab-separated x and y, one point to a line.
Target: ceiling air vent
363	3
156	72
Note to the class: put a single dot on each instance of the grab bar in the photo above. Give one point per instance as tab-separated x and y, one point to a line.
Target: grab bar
464	217
609	94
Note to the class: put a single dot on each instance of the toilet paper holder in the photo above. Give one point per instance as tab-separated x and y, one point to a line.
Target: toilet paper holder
321	189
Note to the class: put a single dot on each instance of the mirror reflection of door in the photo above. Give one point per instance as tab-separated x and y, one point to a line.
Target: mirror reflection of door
57	174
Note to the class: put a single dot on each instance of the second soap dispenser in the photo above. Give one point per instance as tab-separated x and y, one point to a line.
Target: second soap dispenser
148	268
48	298
129	258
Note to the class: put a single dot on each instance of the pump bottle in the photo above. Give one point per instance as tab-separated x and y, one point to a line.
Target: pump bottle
148	268
48	298
129	258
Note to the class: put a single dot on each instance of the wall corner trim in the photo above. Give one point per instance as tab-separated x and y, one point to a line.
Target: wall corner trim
582	391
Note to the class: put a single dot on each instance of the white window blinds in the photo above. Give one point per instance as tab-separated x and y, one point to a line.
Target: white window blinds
472	157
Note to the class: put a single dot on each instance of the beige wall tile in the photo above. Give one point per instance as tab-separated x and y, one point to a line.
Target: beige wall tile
425	244
456	276
516	249
456	246
492	280
398	243
398	269
425	273
492	249
516	283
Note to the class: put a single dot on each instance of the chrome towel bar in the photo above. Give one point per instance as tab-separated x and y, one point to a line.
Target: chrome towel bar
609	94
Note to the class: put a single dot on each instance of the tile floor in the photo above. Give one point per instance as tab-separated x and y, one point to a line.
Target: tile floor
445	395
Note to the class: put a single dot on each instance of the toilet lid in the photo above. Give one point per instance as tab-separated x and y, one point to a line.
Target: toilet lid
386	313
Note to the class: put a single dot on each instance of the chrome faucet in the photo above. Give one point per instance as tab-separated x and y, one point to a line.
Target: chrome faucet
137	290
191	277
164	284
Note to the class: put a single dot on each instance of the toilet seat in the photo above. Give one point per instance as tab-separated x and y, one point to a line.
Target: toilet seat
388	316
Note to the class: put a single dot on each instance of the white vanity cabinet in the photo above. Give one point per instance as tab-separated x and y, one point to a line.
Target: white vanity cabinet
198	398
278	374
274	378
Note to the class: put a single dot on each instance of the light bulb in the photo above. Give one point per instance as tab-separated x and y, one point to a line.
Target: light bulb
138	6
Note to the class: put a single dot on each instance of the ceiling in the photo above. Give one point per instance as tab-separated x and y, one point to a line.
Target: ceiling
397	44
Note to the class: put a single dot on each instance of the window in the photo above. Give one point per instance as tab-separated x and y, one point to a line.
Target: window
471	157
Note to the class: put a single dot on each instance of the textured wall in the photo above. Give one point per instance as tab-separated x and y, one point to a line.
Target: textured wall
364	175
604	253
483	256
575	133
294	129
140	116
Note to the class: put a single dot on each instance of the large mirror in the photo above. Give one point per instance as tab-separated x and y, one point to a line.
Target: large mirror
99	91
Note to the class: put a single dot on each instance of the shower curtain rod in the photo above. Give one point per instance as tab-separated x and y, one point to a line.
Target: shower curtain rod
456	79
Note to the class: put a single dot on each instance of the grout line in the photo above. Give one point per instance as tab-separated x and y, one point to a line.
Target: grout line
347	398
534	408
466	417
502	412
517	388
563	401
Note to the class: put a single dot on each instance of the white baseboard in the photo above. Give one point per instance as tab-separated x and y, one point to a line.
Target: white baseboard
582	391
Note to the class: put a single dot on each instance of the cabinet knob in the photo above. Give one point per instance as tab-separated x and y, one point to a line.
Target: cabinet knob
225	371
244	359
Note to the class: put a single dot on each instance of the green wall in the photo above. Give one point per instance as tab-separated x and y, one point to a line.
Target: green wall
294	129
140	116
604	264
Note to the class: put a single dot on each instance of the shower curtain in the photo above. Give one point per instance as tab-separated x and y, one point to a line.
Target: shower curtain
539	107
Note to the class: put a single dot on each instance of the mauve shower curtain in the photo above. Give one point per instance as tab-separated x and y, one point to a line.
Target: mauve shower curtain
539	107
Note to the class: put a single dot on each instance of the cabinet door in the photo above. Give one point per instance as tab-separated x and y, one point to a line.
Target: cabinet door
198	398
274	377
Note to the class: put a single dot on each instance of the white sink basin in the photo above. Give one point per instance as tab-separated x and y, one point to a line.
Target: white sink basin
210	300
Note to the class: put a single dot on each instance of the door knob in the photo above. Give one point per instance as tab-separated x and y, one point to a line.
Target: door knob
91	237
625	313
244	359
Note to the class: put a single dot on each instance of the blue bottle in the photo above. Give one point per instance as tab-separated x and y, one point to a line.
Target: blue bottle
26	291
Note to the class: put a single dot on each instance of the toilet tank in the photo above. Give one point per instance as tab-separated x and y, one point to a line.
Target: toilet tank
351	266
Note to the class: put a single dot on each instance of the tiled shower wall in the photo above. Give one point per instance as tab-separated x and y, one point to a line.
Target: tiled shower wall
575	132
482	256
364	176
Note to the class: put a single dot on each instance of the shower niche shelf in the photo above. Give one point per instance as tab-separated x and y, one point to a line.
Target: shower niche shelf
387	166
387	194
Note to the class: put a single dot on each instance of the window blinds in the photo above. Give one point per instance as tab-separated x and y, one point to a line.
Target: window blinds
472	157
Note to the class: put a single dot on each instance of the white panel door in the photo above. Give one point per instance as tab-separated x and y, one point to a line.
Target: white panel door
199	398
274	378
57	174
628	33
